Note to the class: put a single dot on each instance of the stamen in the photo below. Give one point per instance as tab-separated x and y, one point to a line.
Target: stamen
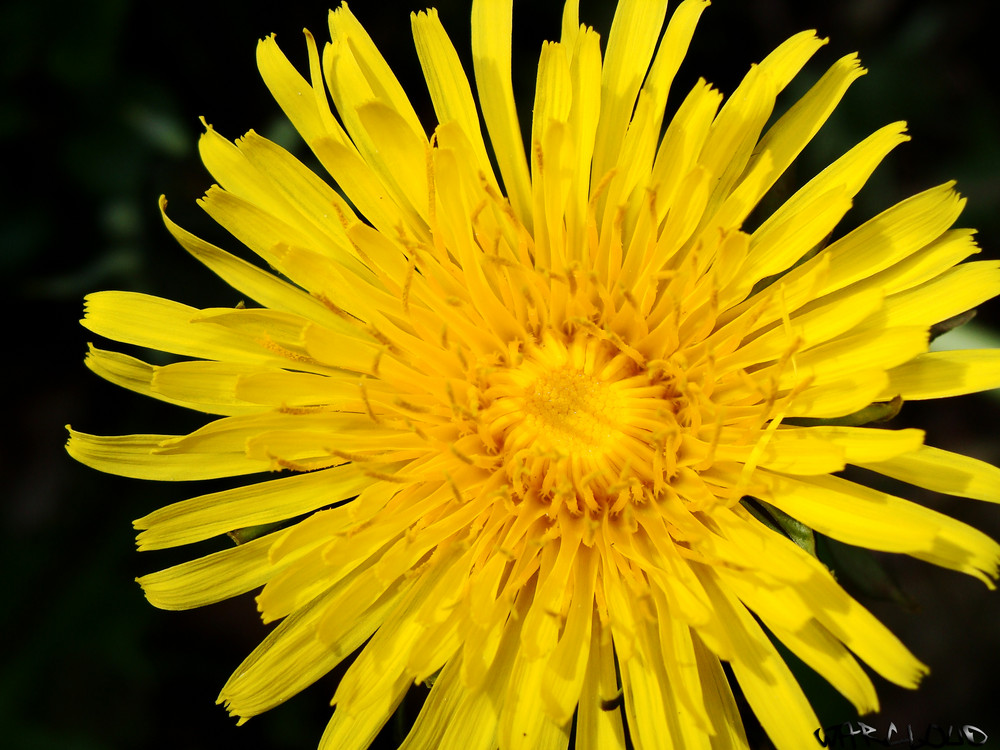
395	478
268	343
341	216
348	456
333	307
498	260
409	406
286	409
363	387
418	431
408	283
459	455
376	362
297	466
456	492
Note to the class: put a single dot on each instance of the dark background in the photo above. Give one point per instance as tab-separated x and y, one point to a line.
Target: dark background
99	117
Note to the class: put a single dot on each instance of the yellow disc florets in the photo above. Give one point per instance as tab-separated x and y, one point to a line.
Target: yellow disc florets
571	412
579	422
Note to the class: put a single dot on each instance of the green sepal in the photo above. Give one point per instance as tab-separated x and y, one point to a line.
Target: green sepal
880	411
613	703
431	679
248	534
779	521
861	572
939	329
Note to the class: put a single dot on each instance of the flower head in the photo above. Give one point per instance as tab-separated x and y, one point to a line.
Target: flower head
541	431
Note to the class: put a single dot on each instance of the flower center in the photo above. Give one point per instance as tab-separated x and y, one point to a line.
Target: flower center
574	420
570	411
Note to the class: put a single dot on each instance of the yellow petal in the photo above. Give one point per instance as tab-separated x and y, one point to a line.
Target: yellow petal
828	658
787	236
449	88
734	133
831	317
357	731
205	386
767	682
260	229
742	118
291	658
156	323
257	284
785	139
631	41
351	91
305	544
343	291
372	683
791	451
898	231
212	578
914	245
845	177
852	353
549	173
928	263
402	154
942	471
300	197
599	726
451	709
210	515
670	54
951	293
233	172
859	630
283	388
293	93
491	56
232	437
347	31
556	571
841	397
568	661
944	374
681	145
683	675
650	720
360	183
480	716
719	701
866	444
585	112
773	602
868	518
142	457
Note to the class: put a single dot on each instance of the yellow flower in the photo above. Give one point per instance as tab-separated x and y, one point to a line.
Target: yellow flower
539	432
